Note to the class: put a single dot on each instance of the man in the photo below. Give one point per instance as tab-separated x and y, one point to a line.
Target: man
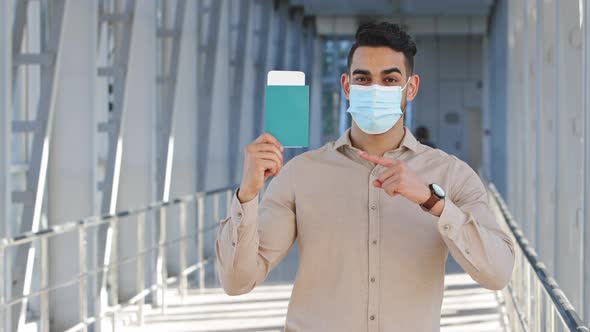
375	212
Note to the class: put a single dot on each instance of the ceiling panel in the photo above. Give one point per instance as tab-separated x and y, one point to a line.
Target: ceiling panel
396	7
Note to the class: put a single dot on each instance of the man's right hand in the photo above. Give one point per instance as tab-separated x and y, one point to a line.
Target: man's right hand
263	158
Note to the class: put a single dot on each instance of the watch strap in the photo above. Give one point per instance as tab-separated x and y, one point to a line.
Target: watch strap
431	202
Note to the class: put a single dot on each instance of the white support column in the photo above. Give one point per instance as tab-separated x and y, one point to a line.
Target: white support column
529	146
219	121
513	94
183	181
265	17
586	93
570	151
548	117
71	186
209	37
6	11
6	19
137	178
586	256
47	60
485	109
254	71
239	18
315	115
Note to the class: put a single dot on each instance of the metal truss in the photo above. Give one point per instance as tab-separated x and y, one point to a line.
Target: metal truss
32	197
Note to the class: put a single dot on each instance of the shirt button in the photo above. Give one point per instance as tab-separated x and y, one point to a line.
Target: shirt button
447	227
239	215
467	251
374	241
373	206
372	279
372	317
233	244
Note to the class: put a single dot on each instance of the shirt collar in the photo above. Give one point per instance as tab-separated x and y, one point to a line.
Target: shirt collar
409	141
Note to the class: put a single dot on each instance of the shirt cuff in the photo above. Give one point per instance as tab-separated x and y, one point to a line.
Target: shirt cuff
451	220
243	214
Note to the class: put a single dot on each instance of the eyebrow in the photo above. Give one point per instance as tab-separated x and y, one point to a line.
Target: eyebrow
361	72
383	72
391	70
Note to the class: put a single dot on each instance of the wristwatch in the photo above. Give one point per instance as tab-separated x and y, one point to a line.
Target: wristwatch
436	194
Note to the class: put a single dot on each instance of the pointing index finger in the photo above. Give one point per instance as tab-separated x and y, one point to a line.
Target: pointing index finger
375	159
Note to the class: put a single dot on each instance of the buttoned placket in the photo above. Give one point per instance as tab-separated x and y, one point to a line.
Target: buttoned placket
374	254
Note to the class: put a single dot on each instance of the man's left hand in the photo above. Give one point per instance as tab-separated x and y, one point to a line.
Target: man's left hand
398	179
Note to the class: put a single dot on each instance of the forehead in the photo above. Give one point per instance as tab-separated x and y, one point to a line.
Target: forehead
376	59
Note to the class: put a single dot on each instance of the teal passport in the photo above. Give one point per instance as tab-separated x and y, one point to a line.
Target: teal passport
286	115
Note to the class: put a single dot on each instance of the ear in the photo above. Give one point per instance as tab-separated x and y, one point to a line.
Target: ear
413	85
345	84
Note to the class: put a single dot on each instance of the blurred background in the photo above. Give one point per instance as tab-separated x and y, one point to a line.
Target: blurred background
123	123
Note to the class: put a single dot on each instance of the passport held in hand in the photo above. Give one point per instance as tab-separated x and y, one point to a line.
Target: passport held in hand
286	102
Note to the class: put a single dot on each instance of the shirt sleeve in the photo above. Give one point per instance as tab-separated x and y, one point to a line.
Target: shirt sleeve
472	234
255	237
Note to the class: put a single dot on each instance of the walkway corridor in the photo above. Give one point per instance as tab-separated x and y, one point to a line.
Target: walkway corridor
126	127
466	308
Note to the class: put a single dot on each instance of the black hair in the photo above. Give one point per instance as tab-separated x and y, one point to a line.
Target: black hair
385	34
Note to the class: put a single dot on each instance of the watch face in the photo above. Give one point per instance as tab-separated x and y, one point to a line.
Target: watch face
438	191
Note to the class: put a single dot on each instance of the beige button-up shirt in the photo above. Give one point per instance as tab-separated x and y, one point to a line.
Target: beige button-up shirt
367	261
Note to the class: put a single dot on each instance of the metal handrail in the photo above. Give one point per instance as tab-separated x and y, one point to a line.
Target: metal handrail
113	220
558	301
103	219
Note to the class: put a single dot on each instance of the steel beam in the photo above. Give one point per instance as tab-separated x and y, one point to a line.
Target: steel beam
570	152
169	33
70	183
185	132
586	93
6	17
208	35
239	18
6	13
167	93
22	273
117	47
264	14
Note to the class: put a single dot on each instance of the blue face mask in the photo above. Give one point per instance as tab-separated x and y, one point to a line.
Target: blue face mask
375	108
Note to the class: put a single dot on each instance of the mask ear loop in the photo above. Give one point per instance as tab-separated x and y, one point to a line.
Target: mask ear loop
408	81
402	89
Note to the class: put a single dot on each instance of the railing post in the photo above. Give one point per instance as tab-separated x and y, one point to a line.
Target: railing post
182	245
518	283
551	317
82	286
162	257
228	198
538	295
2	290
44	319
112	268
113	321
200	253
140	261
216	207
528	297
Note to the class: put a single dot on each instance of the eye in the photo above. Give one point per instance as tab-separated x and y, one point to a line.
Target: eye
360	79
390	80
